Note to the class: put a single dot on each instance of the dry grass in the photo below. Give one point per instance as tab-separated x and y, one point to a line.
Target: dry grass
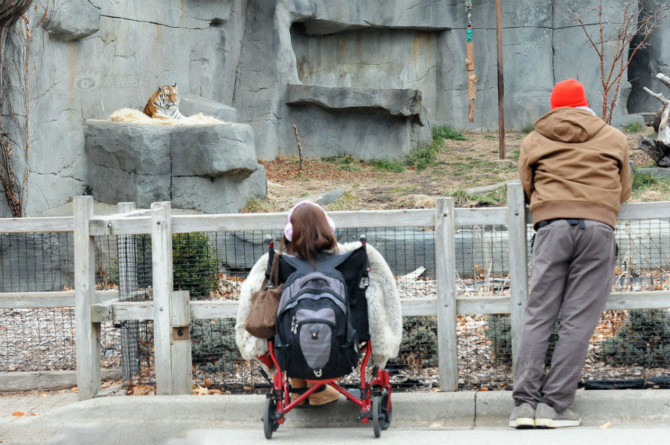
459	165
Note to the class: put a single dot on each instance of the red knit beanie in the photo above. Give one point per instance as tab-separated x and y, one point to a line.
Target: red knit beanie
568	93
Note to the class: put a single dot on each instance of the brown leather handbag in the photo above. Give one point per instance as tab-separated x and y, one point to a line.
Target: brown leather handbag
262	319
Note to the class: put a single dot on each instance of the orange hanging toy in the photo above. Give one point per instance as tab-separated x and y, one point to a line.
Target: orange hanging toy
470	64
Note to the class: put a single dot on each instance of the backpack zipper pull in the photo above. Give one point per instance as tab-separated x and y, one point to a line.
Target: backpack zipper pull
294	325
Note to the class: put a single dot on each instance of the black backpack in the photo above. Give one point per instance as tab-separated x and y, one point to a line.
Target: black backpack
315	338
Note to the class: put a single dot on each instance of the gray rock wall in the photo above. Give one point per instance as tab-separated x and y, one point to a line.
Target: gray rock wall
85	59
655	58
75	72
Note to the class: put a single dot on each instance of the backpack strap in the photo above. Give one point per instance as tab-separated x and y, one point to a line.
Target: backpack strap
325	262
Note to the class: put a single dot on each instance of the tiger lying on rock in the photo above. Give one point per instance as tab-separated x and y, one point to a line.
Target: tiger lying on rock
164	103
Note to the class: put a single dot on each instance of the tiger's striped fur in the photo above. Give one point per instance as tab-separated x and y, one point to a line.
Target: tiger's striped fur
164	103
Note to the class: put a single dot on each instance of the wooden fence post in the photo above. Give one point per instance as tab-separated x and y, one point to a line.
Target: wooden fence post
130	332
445	277
88	333
518	260
180	346
171	310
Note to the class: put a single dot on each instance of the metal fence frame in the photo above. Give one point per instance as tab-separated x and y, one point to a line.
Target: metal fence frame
172	311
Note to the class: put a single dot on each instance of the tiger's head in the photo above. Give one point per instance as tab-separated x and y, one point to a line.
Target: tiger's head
168	96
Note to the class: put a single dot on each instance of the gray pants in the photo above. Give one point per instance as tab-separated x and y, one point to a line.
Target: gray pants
571	274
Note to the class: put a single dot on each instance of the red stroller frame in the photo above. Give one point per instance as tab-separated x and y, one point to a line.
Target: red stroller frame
375	401
375	396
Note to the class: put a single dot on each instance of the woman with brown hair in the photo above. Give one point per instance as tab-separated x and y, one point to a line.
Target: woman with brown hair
310	233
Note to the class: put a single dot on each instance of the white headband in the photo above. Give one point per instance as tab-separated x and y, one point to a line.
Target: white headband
288	229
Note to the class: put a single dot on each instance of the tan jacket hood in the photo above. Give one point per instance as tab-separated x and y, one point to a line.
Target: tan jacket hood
569	125
574	165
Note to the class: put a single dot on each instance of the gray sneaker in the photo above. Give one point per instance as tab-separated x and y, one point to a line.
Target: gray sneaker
547	417
523	416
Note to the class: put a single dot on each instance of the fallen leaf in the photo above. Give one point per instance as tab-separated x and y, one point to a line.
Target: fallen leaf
605	425
18	414
208	382
74	389
143	390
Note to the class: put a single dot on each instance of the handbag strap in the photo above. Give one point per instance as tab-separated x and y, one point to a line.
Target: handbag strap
272	270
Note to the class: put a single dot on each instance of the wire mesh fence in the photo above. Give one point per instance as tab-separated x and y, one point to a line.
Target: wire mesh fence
628	346
43	339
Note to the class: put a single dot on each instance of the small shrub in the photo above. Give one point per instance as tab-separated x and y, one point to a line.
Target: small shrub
527	128
194	264
514	155
496	198
643	180
447	132
345	163
256	205
345	202
499	332
634	127
387	165
213	345
643	340
421	157
419	343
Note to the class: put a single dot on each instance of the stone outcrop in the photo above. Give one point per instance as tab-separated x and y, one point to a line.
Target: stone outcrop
209	168
73	19
358	120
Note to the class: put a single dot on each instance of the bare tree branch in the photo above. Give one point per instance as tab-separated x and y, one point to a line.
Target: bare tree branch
632	26
663	79
658	96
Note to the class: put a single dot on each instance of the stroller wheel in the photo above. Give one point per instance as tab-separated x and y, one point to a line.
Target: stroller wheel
386	411
377	415
270	424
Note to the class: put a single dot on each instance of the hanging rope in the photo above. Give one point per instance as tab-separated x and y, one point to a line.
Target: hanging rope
470	63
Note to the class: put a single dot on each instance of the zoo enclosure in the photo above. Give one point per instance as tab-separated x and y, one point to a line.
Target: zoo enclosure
172	312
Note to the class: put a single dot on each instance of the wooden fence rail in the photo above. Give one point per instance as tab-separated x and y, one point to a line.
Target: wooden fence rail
172	312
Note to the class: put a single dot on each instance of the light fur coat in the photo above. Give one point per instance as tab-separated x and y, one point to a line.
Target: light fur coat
384	313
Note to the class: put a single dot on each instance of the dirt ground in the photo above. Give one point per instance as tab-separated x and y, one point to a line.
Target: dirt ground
460	165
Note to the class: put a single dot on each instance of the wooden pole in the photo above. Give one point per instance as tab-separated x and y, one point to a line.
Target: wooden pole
501	82
297	139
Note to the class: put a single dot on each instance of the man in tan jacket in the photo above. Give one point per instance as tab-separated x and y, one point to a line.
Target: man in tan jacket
575	172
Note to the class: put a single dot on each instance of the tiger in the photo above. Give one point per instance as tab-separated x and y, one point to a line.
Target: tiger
164	103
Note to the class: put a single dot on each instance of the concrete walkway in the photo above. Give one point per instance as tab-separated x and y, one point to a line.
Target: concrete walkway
610	416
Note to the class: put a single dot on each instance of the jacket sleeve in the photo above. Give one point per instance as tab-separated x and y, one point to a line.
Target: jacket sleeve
625	175
526	170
